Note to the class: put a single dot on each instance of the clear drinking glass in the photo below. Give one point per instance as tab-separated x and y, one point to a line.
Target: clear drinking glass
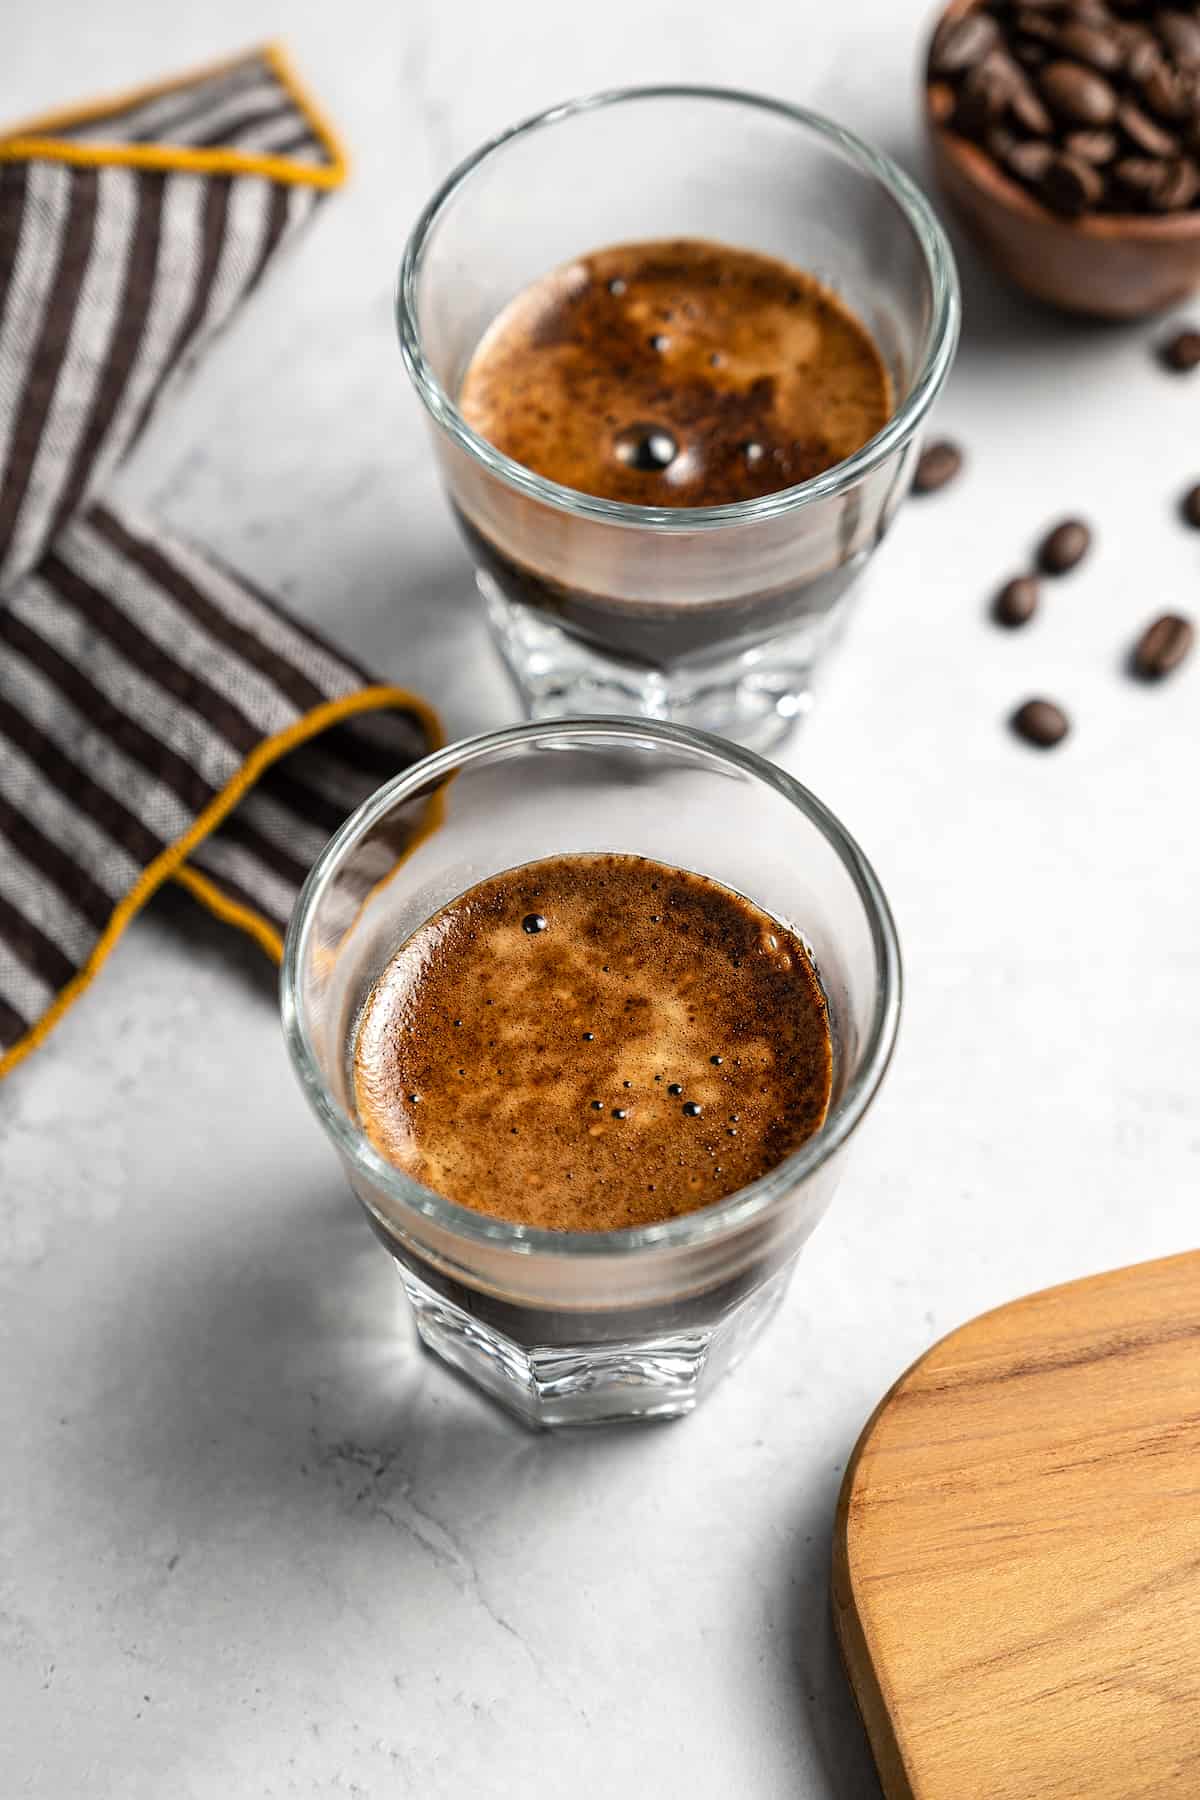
573	1327
710	616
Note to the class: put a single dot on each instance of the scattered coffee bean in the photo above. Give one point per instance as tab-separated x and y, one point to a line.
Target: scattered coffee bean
1064	547
936	466
1077	94
1163	646
1041	723
1190	507
1017	601
1182	352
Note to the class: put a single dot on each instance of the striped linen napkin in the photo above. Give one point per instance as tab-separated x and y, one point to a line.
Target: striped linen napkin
146	692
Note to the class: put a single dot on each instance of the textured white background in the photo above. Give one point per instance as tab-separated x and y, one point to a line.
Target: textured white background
250	1541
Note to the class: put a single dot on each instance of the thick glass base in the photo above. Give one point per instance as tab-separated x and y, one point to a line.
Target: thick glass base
754	696
592	1384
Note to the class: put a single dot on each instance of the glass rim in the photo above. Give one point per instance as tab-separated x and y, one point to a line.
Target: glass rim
940	345
721	1217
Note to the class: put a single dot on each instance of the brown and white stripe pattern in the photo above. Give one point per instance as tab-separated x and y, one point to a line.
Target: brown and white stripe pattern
138	677
243	106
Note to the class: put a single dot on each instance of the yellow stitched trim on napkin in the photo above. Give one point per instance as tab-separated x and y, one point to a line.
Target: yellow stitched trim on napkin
33	139
231	912
170	861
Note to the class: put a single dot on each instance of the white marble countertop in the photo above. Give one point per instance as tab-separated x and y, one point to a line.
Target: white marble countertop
252	1542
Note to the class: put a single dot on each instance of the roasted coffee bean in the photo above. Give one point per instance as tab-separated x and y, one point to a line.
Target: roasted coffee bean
936	466
1091	44
1027	108
1071	186
1098	147
1041	723
1181	35
983	97
1182	352
1137	178
958	44
1064	547
1037	25
1030	54
1077	94
1030	159
1178	186
1142	57
1189	506
1167	93
1144	133
999	142
1016	602
1163	646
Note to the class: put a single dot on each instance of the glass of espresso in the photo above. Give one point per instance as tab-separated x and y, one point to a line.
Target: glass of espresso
677	345
590	1010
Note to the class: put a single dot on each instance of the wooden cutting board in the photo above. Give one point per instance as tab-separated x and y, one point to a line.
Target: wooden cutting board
1016	1571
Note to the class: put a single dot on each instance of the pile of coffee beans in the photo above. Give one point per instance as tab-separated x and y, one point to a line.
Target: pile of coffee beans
1093	105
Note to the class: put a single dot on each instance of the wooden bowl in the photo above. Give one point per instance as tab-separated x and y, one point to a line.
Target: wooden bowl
1107	265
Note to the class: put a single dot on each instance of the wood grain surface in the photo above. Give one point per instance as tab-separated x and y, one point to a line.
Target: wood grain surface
1016	1579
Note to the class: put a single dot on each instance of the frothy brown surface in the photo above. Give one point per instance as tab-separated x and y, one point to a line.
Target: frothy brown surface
745	374
658	1043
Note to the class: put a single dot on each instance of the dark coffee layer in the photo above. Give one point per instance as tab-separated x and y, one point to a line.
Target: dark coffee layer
593	1042
678	373
646	634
